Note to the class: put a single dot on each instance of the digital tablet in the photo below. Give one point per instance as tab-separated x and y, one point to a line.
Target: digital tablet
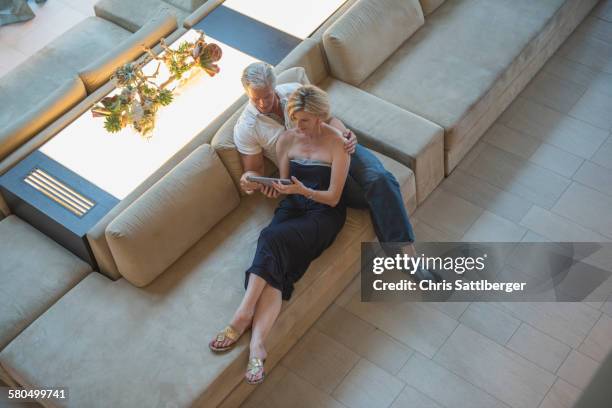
267	181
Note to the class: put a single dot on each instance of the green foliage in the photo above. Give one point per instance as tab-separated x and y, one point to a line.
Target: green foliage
140	97
112	124
165	97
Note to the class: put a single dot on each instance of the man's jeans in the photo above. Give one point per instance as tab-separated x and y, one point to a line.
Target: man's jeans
370	185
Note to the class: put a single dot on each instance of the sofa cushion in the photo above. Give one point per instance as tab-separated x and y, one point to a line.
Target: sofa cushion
147	346
386	128
367	34
429	6
187	5
453	69
157	228
34	273
134	14
223	141
30	111
84	43
98	72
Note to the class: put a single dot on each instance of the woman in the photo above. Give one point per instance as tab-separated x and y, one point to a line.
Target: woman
305	223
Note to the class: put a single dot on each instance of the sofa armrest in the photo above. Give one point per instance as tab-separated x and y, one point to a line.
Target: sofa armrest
309	55
393	131
162	224
201	12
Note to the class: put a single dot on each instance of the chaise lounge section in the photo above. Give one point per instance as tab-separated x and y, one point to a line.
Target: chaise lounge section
35	272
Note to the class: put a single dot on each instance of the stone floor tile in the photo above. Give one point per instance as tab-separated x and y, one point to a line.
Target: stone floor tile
493	228
595	176
561	395
364	339
320	360
283	388
491	321
542	349
486	195
570	134
556	159
516	175
368	386
448	212
417	325
445	387
587	207
554	92
578	369
594	107
517	381
568	322
598	343
411	397
557	228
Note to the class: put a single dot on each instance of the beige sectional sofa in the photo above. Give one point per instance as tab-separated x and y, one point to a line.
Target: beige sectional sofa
421	94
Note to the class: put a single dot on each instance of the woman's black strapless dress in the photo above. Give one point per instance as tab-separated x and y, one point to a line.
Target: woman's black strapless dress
299	232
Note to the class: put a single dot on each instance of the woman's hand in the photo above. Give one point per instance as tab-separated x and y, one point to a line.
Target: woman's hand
296	188
268	191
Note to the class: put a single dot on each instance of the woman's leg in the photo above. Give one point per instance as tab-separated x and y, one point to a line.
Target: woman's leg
244	314
266	311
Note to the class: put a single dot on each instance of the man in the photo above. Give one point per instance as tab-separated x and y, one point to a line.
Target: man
369	184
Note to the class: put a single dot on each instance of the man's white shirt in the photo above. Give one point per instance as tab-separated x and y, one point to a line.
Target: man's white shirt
256	132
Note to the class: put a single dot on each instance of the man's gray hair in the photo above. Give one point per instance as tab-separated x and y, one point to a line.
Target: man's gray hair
258	75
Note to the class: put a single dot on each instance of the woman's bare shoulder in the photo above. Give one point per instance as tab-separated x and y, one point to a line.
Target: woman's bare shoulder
286	138
333	137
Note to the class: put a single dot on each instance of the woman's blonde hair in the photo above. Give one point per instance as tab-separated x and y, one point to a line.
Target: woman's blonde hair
311	99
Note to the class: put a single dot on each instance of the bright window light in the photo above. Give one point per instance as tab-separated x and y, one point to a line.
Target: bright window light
296	17
119	162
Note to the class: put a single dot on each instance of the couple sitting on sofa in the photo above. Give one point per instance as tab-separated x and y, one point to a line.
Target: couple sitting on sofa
291	125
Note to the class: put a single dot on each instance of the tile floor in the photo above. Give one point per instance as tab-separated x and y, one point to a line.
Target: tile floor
543	171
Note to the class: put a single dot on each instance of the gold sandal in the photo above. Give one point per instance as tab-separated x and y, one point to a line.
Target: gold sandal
228	333
255	366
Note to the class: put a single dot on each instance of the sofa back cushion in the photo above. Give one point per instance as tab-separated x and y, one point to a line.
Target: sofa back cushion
98	72
187	5
367	34
429	6
223	141
170	217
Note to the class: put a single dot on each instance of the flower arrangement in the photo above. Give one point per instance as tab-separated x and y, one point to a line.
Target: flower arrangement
140	97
